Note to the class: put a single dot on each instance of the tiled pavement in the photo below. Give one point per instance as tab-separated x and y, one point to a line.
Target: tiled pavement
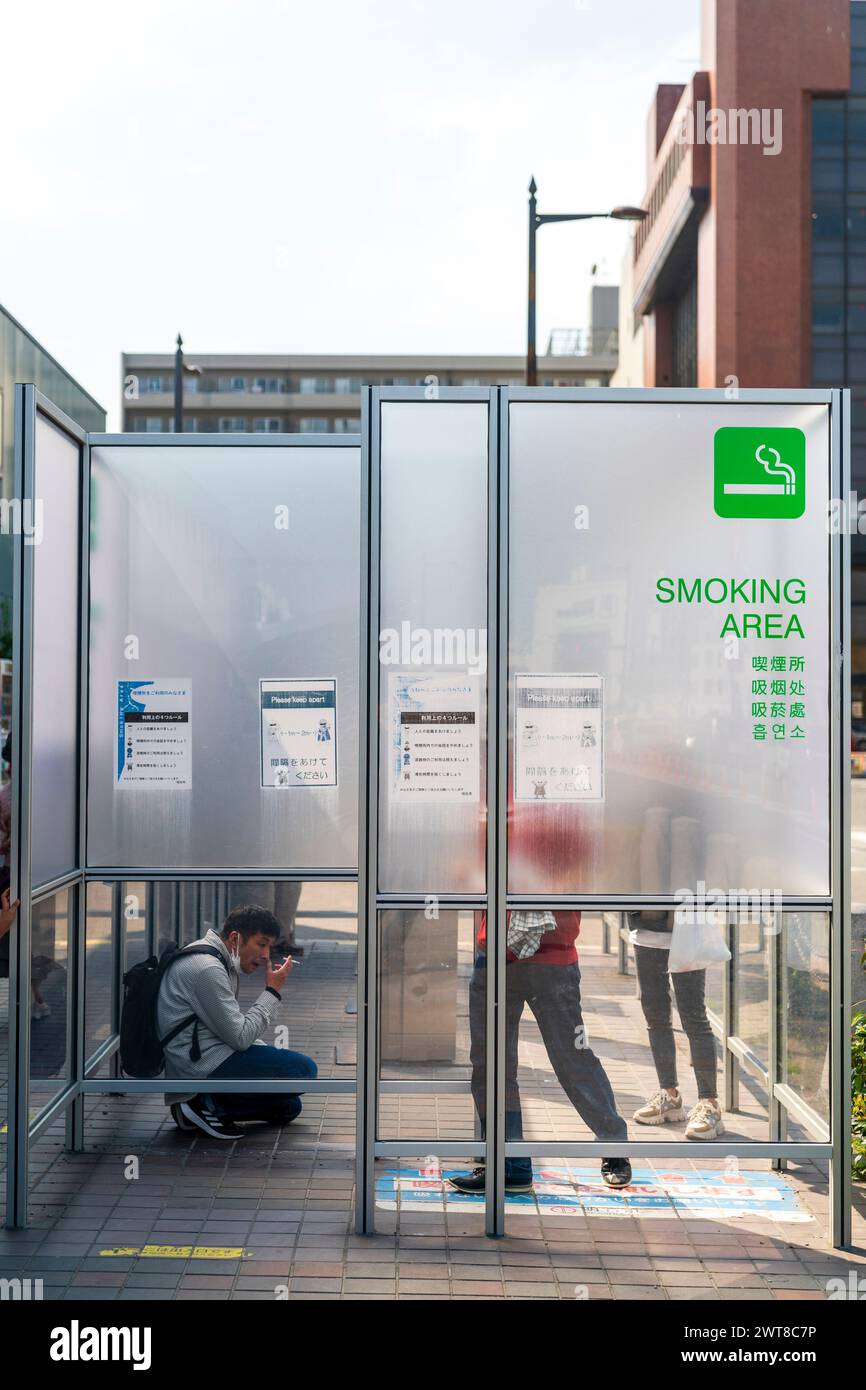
272	1216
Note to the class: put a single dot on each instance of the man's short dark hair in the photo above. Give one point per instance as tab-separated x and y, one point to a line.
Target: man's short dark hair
251	921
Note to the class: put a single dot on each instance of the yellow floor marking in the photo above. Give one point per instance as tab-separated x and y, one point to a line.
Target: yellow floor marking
181	1252
4	1129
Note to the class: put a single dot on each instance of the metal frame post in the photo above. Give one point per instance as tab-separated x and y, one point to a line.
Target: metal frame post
840	781
18	1115
368	822
497	808
774	956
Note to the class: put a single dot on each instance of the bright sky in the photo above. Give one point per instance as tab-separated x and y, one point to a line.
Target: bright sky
275	176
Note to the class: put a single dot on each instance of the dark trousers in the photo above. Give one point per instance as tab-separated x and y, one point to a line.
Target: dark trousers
553	994
651	964
262	1063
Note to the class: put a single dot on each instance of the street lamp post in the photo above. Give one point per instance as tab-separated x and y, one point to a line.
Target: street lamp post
180	367
178	387
536	220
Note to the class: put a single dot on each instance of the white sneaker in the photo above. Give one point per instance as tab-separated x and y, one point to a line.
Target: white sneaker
659	1109
705	1121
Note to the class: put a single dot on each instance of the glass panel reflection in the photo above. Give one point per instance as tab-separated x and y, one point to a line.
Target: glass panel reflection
601	1054
55	656
432	985
49	961
637	760
561	1067
433	652
261	1017
100	966
222	597
806	1009
751	947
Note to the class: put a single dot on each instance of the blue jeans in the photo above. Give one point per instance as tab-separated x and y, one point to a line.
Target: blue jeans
553	994
262	1063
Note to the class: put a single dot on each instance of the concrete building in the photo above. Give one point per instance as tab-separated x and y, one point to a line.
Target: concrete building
722	270
273	392
751	266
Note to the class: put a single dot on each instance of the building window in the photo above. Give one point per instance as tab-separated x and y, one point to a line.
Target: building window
476	381
346	386
232	424
347	424
267	425
190	424
313	424
269	384
685	335
151	384
152	424
315	385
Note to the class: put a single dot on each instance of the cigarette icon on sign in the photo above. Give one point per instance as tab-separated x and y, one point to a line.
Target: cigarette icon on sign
774	468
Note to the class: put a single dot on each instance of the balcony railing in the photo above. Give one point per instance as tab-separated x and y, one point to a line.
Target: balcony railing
583	342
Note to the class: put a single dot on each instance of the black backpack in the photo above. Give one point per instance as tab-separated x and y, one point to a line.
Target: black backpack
141	1047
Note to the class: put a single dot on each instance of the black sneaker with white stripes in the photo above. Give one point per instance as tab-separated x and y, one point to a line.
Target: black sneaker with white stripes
184	1125
205	1119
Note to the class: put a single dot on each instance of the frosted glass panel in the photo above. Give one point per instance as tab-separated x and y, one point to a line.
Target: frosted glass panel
214	570
655	750
56	591
432	992
433	646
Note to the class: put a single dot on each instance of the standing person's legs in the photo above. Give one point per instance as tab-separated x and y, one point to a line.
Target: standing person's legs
262	1063
516	1169
286	898
690	990
553	994
651	966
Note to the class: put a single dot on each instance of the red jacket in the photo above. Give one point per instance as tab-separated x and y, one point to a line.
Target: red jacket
557	947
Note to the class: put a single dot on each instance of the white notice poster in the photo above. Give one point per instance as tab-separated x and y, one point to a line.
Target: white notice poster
558	738
434	738
299	732
154	734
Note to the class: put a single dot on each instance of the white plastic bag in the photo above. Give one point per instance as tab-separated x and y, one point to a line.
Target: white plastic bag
695	944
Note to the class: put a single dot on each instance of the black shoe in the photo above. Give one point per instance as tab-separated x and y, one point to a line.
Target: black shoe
183	1124
616	1172
476	1180
217	1126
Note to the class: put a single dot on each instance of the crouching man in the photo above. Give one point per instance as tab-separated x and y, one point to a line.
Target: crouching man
216	1039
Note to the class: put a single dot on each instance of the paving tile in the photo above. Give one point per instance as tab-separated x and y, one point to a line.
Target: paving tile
471	1287
96	1279
152	1280
639	1292
700	1295
198	1295
146	1295
207	1281
90	1295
